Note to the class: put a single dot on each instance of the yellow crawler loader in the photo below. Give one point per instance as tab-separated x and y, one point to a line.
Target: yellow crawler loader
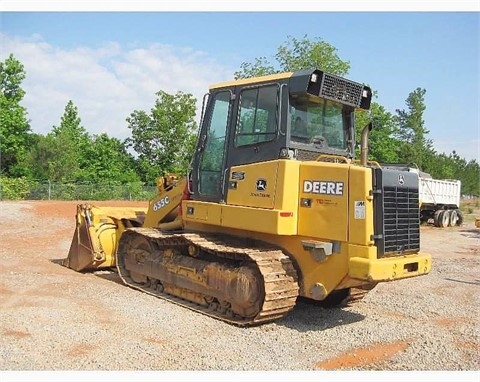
275	206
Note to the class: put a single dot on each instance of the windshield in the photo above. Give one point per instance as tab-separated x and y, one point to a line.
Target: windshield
317	125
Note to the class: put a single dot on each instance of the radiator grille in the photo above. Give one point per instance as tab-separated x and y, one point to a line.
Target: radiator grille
397	212
401	220
340	89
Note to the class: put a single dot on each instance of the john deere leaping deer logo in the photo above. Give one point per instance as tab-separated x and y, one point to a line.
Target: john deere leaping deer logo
261	184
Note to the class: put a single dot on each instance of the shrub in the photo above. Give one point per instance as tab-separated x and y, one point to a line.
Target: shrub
14	188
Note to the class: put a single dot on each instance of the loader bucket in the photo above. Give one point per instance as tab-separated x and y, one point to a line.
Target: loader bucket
96	235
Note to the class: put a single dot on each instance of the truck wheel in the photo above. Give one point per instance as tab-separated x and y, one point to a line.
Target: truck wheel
443	219
436	218
459	217
453	218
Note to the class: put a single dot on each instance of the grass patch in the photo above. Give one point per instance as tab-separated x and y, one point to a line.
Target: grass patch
470	209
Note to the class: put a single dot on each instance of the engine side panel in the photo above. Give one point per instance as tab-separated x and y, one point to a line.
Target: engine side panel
323	211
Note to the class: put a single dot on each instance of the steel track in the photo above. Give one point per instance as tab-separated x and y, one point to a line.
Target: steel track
279	278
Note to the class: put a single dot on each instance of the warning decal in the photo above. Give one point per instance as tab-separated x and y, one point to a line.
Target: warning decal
359	209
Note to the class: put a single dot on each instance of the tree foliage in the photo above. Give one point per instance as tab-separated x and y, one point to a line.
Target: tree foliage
164	139
382	142
45	159
441	166
296	54
109	161
60	155
69	154
470	176
261	67
14	125
411	133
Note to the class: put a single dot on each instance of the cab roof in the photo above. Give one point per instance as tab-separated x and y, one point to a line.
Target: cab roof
252	80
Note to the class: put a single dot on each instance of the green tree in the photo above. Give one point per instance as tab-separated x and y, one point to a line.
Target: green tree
382	143
411	133
42	157
70	125
109	162
164	139
261	67
63	154
440	166
296	54
467	172
471	179
73	142
14	125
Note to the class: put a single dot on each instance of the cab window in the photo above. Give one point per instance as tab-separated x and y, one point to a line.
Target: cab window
257	120
318	123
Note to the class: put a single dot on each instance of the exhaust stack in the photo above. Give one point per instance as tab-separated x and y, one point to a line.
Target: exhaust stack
364	144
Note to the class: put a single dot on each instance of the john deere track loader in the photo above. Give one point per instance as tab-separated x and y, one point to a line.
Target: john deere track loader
275	207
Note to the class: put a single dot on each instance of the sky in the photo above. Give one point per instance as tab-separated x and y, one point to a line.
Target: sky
112	63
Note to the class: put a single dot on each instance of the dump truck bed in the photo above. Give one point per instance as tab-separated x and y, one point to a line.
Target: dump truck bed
435	191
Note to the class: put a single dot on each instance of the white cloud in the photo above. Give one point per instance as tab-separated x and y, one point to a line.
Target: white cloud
107	83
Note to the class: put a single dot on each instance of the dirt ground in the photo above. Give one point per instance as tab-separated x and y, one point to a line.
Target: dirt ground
32	243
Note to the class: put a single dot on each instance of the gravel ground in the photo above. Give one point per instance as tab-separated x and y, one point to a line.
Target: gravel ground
53	318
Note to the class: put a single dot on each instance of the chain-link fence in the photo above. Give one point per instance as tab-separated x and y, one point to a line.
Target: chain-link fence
41	190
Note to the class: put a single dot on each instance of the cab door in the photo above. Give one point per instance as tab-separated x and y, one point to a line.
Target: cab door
210	157
256	136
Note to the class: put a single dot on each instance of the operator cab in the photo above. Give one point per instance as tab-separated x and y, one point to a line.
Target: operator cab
321	114
297	115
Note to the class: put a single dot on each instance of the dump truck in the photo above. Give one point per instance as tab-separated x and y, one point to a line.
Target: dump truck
439	198
275	207
440	201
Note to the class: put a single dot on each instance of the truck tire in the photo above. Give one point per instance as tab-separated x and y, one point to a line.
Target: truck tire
459	217
453	218
443	219
436	218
